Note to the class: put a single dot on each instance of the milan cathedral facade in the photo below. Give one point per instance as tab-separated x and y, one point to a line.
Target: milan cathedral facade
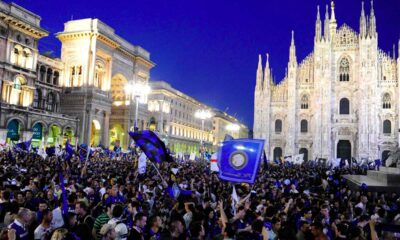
341	101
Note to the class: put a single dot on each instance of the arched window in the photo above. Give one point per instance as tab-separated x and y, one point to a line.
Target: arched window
42	74
16	96
56	75
278	126
28	58
304	102
387	127
386	101
99	75
49	75
344	70
37	98
75	77
303	126
344	106
50	102
16	57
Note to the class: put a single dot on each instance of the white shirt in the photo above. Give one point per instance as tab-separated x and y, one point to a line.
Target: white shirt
40	232
58	220
120	228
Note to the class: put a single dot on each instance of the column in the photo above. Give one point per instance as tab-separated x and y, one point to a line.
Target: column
106	129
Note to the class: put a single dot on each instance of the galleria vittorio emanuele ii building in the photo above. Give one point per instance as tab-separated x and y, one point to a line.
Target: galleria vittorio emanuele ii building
341	101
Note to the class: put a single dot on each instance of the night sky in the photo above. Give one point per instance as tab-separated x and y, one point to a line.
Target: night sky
209	49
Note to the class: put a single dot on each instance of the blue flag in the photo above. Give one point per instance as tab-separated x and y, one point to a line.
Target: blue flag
240	159
23	146
51	151
63	192
151	145
68	151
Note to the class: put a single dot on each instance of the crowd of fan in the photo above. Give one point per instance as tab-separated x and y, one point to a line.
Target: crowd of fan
107	199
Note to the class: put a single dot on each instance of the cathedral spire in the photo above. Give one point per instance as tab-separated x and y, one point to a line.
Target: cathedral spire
372	21
333	19
333	24
267	74
292	55
259	73
363	22
318	27
326	24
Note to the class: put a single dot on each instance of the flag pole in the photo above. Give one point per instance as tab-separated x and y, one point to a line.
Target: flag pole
162	178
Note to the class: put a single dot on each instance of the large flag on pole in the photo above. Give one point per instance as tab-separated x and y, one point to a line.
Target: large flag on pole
239	160
41	152
151	145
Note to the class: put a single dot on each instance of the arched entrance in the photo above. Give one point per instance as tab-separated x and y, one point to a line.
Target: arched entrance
95	133
69	135
344	149
277	153
37	134
13	130
54	135
117	136
385	155
305	152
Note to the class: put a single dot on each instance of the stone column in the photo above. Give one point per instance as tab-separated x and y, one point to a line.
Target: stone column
106	129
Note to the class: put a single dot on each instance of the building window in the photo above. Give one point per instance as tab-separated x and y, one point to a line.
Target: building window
28	58
278	126
37	98
386	101
49	76
344	70
56	76
99	75
303	126
344	106
42	73
50	102
75	77
304	102
387	127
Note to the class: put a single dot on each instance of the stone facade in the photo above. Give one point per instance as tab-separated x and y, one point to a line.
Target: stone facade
29	82
341	101
173	115
220	122
98	65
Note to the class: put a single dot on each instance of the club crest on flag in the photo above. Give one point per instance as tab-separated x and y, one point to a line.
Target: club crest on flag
239	160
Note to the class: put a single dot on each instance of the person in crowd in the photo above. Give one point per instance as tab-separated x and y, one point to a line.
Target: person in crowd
106	199
21	223
139	224
42	232
117	223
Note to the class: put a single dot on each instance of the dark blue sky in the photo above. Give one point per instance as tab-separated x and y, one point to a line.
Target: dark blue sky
208	48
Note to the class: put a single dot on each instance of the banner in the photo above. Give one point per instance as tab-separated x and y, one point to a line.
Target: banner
298	159
142	163
240	159
37	131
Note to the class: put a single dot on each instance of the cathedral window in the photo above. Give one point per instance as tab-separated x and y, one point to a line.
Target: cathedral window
386	101
387	127
304	102
344	70
303	126
344	106
278	126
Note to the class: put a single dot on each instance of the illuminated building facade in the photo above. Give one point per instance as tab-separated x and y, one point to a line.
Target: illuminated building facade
30	82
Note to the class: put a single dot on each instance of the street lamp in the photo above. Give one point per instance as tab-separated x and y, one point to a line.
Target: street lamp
139	91
202	114
233	127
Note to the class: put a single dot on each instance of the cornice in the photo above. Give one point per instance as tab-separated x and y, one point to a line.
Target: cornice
23	26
